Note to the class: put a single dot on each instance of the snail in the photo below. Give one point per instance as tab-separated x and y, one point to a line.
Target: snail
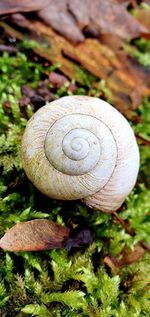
76	147
80	147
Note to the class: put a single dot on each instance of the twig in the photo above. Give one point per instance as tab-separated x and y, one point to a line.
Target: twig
8	48
129	230
144	141
145	246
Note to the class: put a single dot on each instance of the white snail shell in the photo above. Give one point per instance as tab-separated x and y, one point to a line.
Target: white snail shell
80	147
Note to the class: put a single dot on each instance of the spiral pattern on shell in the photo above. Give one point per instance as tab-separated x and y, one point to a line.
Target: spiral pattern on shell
80	147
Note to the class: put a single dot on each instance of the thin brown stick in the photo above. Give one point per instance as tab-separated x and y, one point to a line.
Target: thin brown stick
145	246
8	48
123	223
129	230
144	141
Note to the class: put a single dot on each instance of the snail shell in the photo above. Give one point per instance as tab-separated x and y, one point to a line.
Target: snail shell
80	147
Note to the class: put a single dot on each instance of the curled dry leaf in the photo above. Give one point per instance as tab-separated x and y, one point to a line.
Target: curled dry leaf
57	15
11	6
34	235
105	17
143	16
127	80
20	20
127	257
8	48
59	81
74	18
79	238
146	1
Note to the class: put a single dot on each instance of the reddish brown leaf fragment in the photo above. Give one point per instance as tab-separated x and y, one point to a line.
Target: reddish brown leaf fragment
146	1
59	81
127	257
125	3
20	20
111	40
106	17
34	235
8	48
81	238
143	16
127	80
57	15
112	263
72	18
12	6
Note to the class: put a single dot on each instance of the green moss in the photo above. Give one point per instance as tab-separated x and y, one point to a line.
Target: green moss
59	283
141	51
86	78
141	48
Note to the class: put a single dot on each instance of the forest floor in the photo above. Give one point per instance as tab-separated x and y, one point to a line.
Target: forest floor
110	274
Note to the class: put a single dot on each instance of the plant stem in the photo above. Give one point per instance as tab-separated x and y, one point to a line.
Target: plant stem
129	230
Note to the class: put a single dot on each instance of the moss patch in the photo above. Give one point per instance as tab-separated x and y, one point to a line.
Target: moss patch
67	283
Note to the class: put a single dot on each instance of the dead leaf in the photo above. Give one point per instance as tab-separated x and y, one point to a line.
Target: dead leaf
8	48
122	74
146	1
73	18
105	17
56	14
59	81
79	238
114	42
34	235
126	257
127	80
143	16
112	263
133	3
20	20
12	6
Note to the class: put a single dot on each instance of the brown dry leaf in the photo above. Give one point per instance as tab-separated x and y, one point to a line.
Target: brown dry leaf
143	16
56	14
105	17
73	18
127	257
11	6
112	41
112	263
8	48
34	235
20	20
58	81
146	1
127	80
124	2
